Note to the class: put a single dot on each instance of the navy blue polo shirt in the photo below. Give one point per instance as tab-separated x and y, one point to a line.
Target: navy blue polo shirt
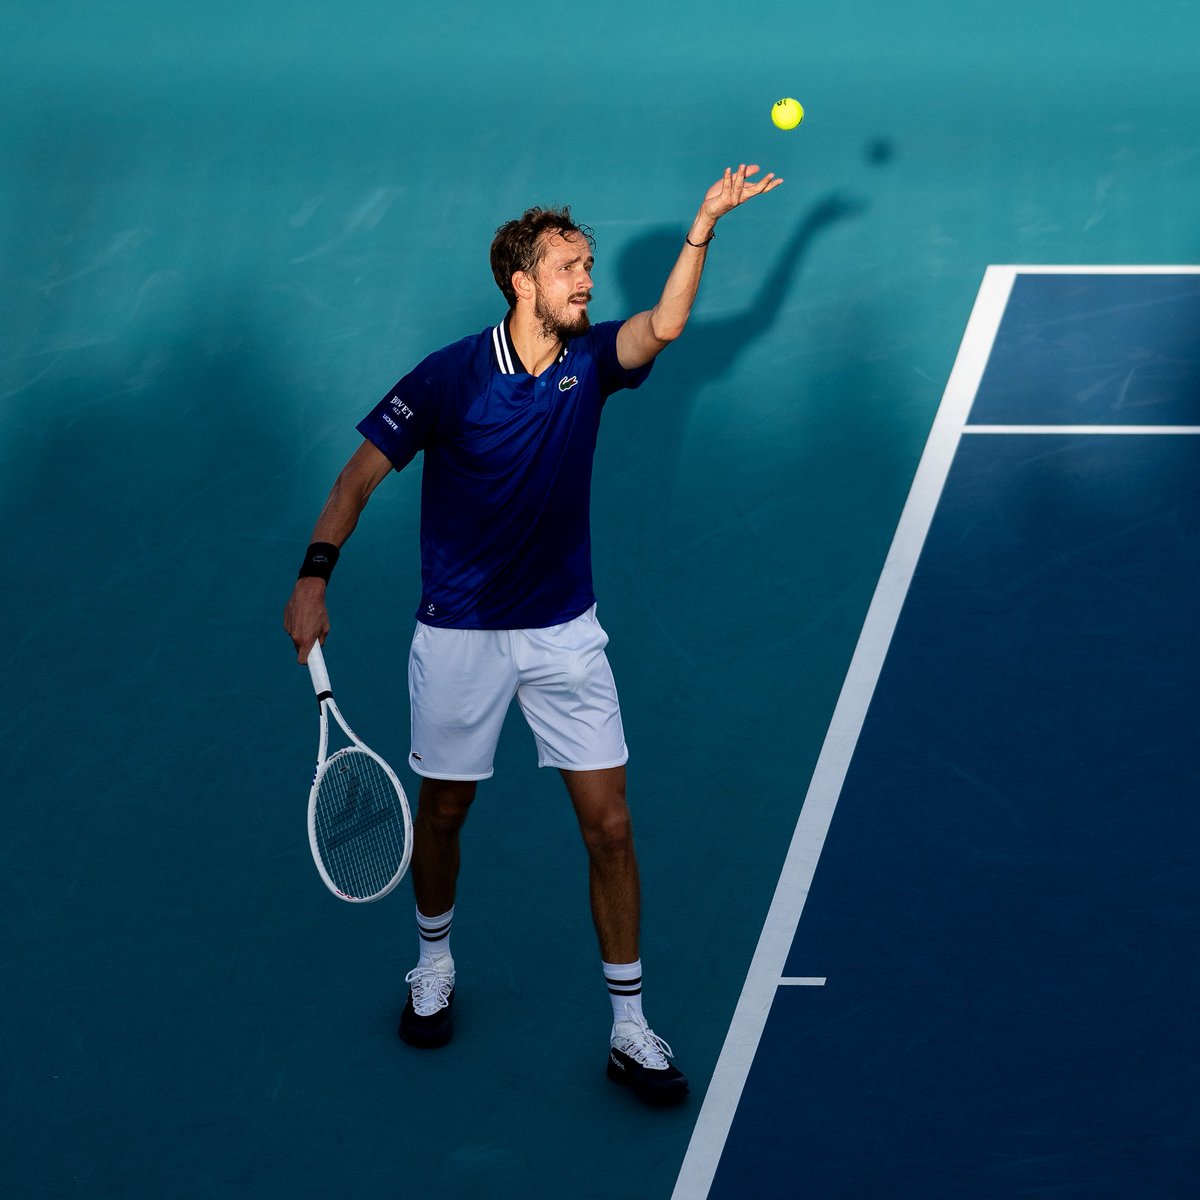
506	491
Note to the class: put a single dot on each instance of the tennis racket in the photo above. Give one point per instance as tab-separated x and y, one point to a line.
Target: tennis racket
359	826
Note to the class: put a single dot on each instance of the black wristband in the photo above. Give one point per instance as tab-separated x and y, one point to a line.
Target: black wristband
700	245
319	560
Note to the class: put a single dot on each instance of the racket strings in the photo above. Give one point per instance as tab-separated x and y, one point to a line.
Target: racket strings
359	824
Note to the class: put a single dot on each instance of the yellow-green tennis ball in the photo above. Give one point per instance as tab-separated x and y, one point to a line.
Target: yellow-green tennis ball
787	114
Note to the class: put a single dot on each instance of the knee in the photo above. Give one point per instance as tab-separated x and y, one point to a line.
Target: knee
443	803
609	833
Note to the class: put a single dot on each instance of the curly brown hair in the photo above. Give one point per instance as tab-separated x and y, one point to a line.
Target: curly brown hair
519	246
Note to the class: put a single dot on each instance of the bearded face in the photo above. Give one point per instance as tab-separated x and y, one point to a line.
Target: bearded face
566	320
563	288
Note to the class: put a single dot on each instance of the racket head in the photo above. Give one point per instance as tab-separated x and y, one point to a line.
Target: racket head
359	825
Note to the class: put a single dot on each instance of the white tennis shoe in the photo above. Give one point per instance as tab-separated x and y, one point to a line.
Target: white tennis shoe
638	1058
426	1021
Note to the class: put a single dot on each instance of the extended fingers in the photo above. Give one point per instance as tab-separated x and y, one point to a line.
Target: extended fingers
767	183
738	186
735	183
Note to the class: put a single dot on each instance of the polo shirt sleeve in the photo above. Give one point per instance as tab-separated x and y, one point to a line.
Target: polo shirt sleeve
405	420
613	376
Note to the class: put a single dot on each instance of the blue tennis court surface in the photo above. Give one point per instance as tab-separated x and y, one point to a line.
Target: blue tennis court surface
993	989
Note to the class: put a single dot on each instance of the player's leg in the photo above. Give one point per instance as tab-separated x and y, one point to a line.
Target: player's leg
613	883
569	698
638	1057
442	807
461	682
441	812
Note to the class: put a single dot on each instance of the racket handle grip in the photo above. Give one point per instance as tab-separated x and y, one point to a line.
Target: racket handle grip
316	668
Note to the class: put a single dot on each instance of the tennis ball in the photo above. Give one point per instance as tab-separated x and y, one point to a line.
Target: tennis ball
787	114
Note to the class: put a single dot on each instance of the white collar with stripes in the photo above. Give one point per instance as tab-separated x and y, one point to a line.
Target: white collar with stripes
507	359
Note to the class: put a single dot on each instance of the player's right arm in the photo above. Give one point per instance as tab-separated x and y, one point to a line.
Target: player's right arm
305	618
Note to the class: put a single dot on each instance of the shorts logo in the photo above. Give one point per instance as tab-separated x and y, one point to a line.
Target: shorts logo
415	756
565	385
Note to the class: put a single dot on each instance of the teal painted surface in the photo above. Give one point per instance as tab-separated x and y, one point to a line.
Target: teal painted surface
225	231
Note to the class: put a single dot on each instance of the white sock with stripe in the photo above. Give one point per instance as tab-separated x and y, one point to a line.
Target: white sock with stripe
624	989
435	936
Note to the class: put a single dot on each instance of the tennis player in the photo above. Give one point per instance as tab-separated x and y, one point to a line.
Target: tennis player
508	420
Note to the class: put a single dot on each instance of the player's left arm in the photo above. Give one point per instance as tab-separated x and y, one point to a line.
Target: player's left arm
646	334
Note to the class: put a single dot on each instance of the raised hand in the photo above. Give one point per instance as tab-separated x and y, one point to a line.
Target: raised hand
734	188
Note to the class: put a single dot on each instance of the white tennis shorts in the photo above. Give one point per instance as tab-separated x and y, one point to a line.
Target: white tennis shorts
461	682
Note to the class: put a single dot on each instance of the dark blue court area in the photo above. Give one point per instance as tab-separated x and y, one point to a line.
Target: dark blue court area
1007	905
1079	349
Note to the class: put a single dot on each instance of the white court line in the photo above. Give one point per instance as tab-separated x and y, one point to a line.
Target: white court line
764	976
802	981
1043	269
1144	430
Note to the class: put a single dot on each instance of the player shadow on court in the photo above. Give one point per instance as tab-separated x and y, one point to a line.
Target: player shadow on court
708	352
